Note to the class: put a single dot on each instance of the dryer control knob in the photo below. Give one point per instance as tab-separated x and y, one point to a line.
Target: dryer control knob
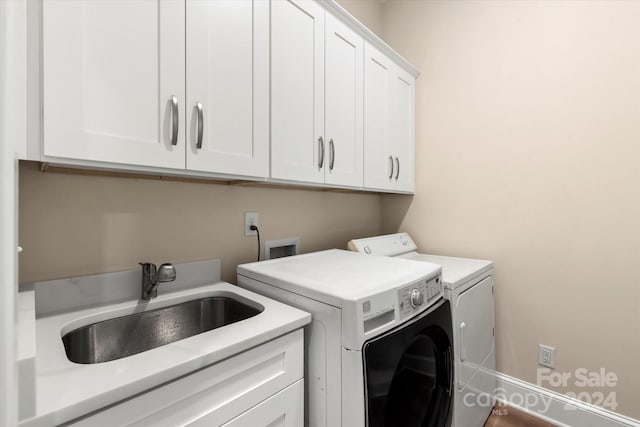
417	298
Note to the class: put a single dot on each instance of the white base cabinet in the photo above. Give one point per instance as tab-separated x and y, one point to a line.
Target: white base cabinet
260	387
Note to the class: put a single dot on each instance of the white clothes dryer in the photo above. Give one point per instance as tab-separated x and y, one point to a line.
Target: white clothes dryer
468	285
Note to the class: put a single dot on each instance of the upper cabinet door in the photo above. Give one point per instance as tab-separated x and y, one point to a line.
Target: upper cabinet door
298	151
343	104
228	86
401	128
113	81
389	94
379	161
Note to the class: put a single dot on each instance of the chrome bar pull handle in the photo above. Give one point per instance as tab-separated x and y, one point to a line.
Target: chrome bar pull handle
397	168
200	125
175	120
320	152
333	153
391	173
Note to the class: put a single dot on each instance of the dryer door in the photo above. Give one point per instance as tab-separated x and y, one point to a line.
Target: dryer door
409	372
475	321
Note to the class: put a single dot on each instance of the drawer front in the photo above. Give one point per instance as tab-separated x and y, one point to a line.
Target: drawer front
285	409
219	392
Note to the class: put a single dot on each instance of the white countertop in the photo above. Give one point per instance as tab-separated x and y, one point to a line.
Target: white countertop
67	390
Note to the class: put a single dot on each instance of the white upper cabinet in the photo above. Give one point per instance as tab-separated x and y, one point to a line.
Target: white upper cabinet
378	162
297	90
228	86
113	81
402	128
316	96
343	104
388	124
279	90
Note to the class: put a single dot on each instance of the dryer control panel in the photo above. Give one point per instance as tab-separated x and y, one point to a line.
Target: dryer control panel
387	245
418	296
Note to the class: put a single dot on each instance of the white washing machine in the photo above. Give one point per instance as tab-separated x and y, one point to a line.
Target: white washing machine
378	351
468	285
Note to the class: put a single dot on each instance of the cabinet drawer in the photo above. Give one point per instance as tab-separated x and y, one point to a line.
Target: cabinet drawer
218	392
285	409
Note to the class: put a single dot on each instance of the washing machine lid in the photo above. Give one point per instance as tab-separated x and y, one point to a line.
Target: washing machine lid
335	276
455	271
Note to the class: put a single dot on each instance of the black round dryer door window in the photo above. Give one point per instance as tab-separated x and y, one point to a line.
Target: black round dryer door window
409	373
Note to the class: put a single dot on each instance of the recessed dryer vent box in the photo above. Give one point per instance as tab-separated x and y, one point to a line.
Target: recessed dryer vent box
281	248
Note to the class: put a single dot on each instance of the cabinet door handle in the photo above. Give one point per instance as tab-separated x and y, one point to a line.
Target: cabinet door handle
320	152
391	173
175	120
397	168
333	153
200	125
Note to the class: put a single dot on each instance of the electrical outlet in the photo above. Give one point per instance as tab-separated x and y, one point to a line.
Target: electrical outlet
546	356
250	218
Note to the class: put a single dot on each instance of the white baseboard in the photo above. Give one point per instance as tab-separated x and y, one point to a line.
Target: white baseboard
556	408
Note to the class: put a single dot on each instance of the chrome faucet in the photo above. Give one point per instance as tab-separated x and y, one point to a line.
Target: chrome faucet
152	276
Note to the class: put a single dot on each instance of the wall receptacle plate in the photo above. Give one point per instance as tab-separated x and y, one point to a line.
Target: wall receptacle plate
250	218
547	356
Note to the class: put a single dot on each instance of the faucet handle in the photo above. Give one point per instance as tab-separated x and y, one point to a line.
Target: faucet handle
152	276
166	273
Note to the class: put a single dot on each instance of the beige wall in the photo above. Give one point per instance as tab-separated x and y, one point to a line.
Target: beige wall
369	12
528	124
77	225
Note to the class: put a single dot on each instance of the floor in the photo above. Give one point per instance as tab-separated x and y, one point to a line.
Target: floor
504	416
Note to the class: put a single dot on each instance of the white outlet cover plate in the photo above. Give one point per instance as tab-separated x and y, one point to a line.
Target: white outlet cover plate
250	218
547	356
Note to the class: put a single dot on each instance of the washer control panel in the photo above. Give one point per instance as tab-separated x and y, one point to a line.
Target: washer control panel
418	296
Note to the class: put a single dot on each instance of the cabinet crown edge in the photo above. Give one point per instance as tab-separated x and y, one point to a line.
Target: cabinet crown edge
369	36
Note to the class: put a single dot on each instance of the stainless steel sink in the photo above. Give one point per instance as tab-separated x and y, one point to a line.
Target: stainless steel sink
127	335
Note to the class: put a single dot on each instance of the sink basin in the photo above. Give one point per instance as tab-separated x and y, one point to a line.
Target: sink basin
127	335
